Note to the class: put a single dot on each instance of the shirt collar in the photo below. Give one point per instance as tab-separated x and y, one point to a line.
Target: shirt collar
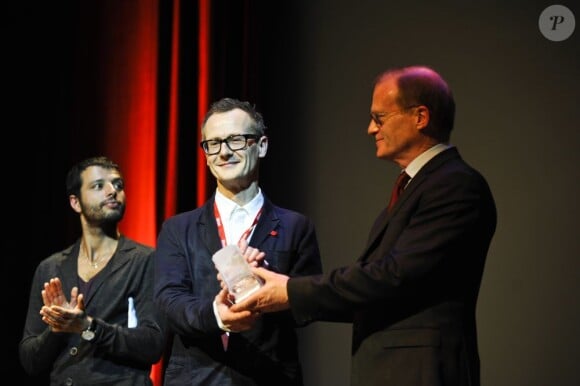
413	168
227	206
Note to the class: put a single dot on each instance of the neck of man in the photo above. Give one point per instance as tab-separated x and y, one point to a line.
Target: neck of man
97	247
97	235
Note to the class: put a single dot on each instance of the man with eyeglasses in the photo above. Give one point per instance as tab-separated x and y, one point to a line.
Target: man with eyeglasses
211	345
411	294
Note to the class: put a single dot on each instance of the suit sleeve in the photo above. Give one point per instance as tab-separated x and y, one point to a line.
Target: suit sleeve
187	314
438	235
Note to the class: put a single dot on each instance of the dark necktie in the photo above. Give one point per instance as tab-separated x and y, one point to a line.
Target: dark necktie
398	189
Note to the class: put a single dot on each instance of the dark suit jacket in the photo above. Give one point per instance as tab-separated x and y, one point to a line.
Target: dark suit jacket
411	295
118	355
186	285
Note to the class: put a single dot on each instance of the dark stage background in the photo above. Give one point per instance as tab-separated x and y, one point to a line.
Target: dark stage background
309	67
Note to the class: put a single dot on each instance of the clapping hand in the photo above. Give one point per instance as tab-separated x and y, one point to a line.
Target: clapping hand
62	315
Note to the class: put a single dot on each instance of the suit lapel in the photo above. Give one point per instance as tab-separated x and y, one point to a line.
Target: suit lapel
376	233
267	224
382	221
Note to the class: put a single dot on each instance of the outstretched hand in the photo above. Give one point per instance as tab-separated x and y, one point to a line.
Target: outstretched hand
271	297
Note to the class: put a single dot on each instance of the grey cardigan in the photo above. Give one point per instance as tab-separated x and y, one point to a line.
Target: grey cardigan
118	355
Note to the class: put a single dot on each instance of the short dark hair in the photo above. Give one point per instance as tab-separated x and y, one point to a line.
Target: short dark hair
421	85
227	104
73	177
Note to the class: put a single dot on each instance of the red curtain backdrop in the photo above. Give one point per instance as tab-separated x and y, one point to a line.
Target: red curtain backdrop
130	113
170	202
130	108
129	71
203	95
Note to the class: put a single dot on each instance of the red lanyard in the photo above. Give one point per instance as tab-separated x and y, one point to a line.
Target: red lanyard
220	225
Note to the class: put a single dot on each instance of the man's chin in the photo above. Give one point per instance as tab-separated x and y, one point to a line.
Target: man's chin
115	216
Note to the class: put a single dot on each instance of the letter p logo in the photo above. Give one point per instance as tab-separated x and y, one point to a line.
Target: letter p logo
557	23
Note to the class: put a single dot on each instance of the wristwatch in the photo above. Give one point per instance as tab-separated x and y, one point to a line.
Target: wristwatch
88	334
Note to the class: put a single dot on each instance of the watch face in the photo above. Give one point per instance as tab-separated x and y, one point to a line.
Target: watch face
88	335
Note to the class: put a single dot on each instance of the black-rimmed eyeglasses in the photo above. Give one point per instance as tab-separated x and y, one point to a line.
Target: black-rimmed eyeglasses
234	142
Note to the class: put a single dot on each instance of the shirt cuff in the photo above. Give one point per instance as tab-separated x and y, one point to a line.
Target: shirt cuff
218	319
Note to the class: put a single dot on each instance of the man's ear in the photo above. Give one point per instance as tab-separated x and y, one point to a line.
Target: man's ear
262	146
422	117
74	203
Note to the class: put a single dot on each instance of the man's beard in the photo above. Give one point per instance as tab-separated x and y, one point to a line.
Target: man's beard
98	215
